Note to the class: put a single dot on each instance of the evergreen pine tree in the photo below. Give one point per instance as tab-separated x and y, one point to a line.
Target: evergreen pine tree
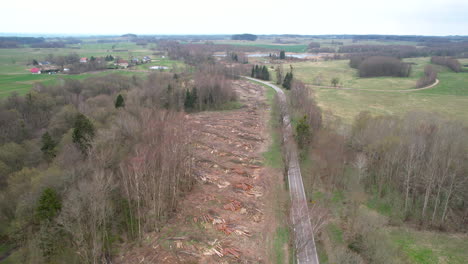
287	81
83	133
49	205
119	102
48	147
188	100
282	55
194	97
253	72
303	132
265	74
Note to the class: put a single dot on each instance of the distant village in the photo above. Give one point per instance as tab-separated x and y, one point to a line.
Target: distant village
71	64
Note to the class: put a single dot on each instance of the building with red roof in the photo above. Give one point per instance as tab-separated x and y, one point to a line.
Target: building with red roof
35	71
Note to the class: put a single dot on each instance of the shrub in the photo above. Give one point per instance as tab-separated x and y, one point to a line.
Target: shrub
451	63
429	77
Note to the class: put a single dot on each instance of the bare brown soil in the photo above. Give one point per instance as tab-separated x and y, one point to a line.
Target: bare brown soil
228	216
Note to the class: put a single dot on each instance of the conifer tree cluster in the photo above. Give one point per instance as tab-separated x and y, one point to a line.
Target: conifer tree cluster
109	58
288	80
260	72
190	99
83	133
48	147
119	102
282	55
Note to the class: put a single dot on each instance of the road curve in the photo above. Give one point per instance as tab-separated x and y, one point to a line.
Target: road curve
306	252
373	90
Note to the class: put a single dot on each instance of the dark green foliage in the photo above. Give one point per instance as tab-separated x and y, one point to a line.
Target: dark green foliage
49	205
265	73
303	132
48	147
83	133
35	62
234	57
119	102
288	81
260	72
109	58
282	55
191	98
335	81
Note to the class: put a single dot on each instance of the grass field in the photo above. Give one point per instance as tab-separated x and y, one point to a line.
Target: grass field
424	247
449	98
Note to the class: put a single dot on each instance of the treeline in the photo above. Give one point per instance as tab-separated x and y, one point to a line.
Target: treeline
195	53
306	110
49	45
314	47
322	50
405	51
249	37
399	51
423	158
375	66
429	77
14	42
260	72
451	63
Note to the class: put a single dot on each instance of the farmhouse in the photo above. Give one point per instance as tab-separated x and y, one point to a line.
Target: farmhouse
35	71
146	59
84	60
122	63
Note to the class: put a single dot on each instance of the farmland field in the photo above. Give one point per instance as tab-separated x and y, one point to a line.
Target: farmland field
15	63
449	97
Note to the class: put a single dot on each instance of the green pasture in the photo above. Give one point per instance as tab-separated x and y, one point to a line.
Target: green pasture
449	97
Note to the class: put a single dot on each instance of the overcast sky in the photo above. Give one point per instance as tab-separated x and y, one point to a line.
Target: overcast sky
403	17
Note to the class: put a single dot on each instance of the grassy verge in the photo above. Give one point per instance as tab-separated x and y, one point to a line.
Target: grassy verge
280	249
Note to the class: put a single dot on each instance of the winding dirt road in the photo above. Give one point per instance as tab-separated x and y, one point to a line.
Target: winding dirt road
373	90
